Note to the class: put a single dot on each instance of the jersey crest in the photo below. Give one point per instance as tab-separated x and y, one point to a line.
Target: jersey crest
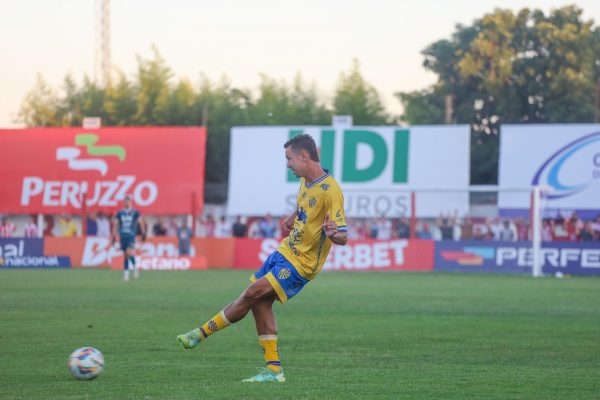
302	215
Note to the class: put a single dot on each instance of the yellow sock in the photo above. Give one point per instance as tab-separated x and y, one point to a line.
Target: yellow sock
269	346
214	324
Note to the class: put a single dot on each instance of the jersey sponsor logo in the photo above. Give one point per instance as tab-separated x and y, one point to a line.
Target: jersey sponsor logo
312	202
302	215
284	273
295	239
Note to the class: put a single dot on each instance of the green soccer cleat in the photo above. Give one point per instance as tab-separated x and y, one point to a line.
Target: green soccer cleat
267	375
189	340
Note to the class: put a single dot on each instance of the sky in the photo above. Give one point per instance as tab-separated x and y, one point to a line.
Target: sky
239	39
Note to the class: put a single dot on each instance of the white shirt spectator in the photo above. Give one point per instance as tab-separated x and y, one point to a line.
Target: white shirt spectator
384	229
103	226
254	230
495	228
506	233
200	228
30	230
222	229
7	229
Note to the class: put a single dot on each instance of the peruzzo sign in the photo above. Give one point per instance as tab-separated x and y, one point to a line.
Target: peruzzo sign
55	170
377	168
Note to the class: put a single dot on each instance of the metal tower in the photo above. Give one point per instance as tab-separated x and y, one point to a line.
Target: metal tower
102	68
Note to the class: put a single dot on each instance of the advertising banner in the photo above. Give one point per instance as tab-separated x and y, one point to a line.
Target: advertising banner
26	262
98	252
377	168
168	263
565	159
29	253
574	258
364	255
19	247
54	170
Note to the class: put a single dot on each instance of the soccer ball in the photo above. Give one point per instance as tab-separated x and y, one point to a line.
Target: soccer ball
86	363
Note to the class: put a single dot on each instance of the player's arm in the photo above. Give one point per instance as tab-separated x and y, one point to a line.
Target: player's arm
334	224
288	223
333	233
143	226
115	224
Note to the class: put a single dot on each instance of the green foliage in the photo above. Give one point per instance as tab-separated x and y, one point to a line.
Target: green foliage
41	106
422	105
345	336
154	97
524	67
356	97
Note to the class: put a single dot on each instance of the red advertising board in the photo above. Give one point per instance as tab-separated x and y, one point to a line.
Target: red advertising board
166	263
99	252
54	170
362	255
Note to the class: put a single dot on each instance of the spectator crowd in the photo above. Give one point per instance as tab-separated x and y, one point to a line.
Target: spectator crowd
445	227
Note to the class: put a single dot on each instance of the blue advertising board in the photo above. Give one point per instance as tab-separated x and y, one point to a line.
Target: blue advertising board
573	258
28	253
44	262
19	247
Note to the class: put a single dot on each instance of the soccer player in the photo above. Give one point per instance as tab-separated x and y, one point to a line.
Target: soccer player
317	223
125	222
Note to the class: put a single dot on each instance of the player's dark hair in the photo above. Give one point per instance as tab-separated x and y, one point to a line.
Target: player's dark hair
303	142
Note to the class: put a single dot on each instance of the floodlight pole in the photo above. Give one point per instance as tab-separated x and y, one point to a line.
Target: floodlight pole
102	54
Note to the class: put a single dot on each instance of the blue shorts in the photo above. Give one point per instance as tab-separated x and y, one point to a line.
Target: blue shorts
127	242
282	275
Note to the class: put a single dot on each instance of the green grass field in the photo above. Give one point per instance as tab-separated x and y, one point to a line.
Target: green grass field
347	335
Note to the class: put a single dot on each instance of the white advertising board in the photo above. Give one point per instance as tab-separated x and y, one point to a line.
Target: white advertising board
563	159
377	168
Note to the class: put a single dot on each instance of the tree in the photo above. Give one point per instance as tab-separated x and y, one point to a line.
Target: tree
40	106
355	96
524	67
282	104
120	102
153	78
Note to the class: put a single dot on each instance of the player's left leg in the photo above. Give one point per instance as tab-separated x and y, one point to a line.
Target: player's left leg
131	259
266	327
124	249
229	315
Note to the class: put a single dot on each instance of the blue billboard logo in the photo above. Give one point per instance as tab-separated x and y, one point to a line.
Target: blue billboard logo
10	247
552	172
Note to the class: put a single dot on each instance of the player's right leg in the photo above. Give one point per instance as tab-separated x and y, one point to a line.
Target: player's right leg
266	327
124	249
131	258
234	312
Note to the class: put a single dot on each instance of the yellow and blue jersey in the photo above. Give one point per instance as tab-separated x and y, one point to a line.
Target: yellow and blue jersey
307	247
